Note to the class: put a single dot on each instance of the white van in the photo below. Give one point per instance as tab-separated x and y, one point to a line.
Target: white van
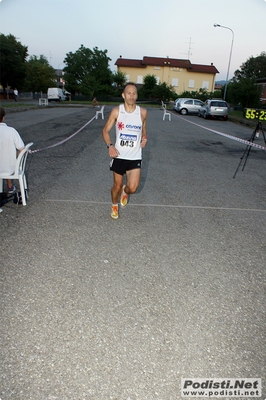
55	94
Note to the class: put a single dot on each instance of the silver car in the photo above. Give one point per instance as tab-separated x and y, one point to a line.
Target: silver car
175	103
214	109
187	106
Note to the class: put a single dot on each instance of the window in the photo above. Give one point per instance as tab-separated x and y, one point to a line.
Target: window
198	103
156	67
191	83
205	85
140	79
127	78
175	82
218	104
158	80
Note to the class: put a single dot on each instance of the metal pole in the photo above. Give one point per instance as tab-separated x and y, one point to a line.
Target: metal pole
226	27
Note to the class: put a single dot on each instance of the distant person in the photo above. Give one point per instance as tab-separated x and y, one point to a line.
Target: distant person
126	153
15	91
11	145
95	102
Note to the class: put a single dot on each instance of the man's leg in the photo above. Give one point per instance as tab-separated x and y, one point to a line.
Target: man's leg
132	183
10	187
115	193
117	187
133	179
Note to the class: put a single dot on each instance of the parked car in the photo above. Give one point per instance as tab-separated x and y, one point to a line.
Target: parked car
175	103
214	109
187	106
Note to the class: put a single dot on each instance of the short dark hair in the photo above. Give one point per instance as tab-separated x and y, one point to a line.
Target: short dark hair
2	113
130	84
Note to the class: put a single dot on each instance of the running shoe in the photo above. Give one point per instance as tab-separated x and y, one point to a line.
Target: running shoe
11	189
124	198
114	212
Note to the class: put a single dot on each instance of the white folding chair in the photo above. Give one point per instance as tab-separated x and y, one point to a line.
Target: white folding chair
100	112
166	114
20	172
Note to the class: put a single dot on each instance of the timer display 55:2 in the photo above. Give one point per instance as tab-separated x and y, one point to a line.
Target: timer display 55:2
253	113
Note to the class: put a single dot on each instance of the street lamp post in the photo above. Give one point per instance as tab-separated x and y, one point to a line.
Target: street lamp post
221	26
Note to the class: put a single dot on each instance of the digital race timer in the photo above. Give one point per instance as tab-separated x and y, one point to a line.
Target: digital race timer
253	113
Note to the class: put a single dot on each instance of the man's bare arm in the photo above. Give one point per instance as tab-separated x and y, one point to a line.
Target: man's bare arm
144	115
113	152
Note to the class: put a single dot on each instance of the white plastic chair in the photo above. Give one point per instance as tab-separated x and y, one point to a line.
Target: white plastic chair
100	112
166	114
43	101
20	172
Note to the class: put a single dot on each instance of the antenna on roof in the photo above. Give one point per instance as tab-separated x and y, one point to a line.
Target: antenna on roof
189	49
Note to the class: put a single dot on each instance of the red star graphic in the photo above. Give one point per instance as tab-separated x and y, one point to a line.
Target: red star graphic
120	126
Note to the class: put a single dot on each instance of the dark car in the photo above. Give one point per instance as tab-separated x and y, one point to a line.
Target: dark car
214	109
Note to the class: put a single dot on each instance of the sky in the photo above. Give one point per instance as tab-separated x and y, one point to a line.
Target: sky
182	29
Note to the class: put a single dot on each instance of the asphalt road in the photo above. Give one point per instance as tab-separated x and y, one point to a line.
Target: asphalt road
99	309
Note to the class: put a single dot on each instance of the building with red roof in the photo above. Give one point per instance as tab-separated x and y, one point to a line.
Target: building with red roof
180	74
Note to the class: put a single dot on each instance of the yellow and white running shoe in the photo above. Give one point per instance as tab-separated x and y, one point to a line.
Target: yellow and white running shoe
114	211
123	198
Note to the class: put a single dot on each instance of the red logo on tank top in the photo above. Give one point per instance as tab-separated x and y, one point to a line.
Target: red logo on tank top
120	126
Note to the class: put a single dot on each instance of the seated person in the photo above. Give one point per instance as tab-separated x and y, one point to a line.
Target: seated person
11	145
94	102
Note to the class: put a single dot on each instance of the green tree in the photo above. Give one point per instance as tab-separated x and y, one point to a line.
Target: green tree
119	79
163	92
244	93
149	84
87	72
201	94
39	75
151	90
13	57
253	68
242	89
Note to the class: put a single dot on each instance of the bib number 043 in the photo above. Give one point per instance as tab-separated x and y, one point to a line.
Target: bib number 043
127	143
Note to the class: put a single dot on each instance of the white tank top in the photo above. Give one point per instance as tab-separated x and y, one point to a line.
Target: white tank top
128	134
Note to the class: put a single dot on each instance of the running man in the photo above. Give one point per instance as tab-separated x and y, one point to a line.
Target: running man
131	137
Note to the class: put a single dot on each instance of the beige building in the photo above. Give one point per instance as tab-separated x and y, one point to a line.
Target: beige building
180	74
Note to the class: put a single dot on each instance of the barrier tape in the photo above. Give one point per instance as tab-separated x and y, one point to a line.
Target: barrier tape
247	142
63	141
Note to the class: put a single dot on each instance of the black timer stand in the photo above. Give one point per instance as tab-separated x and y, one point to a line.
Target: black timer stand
255	134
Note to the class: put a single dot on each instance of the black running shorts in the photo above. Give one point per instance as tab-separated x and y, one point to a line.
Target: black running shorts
121	166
